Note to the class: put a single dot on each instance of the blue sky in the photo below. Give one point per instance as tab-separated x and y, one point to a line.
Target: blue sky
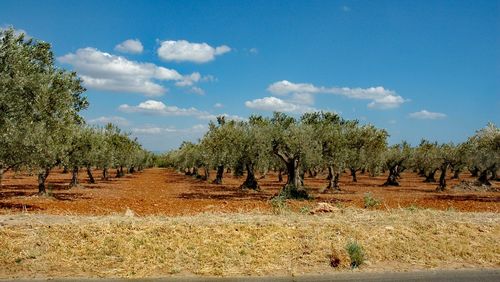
163	69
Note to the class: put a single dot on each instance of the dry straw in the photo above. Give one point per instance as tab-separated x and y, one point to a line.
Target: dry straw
244	244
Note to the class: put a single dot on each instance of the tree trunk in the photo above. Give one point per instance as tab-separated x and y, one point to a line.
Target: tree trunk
456	174
421	172
333	181
42	177
293	173
483	178
105	175
207	173
251	181
474	172
239	170
363	170
494	174
119	172
219	175
131	170
330	173
1	175
431	176
442	178
392	179
280	175
294	184
65	169
74	178
89	174
353	174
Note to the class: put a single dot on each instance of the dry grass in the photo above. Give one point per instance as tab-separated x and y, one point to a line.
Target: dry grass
244	244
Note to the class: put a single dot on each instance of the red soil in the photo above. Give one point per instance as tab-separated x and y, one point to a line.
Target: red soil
166	192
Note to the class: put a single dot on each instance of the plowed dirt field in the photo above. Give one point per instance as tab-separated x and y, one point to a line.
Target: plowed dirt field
161	191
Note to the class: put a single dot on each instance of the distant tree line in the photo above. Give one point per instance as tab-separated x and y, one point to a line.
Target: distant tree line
40	125
324	142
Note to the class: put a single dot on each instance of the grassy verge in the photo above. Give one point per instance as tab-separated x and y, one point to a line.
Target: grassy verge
244	244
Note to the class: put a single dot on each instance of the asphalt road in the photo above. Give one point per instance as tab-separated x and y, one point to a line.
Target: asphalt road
489	275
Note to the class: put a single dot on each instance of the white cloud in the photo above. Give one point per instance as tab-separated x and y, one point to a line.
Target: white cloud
253	51
286	87
380	97
159	108
100	70
132	46
276	104
424	114
221	50
153	107
120	121
218	105
182	50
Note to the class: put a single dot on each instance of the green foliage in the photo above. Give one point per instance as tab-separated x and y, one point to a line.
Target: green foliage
356	253
484	151
370	201
39	103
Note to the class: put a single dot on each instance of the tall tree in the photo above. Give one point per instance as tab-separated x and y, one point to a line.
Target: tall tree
38	98
292	143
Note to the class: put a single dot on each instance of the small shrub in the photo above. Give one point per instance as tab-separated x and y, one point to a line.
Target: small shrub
305	210
279	205
370	202
291	192
356	253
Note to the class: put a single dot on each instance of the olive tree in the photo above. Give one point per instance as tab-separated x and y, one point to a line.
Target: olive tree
292	142
218	142
365	147
329	130
427	160
254	148
396	160
485	153
38	98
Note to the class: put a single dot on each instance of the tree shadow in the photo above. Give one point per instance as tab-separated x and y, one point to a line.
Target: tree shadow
486	199
239	196
61	196
12	194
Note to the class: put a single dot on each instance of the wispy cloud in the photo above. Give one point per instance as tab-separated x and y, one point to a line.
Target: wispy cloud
380	97
120	121
424	114
184	51
156	130
152	107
